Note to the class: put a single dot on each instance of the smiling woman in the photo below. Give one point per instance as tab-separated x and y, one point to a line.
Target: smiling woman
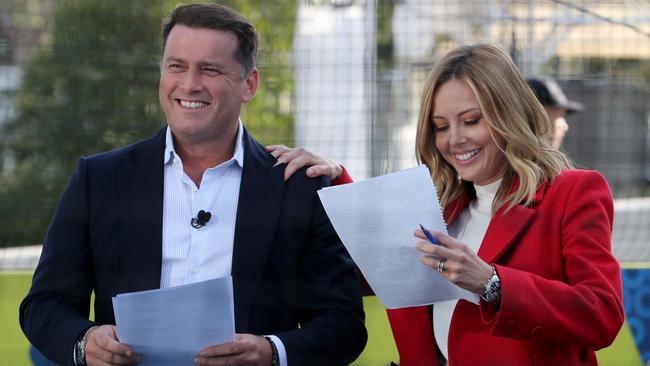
462	135
528	233
489	83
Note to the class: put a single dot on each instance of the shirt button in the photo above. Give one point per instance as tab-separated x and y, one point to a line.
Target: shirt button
195	270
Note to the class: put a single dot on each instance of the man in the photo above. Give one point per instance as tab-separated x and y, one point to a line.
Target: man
556	104
128	222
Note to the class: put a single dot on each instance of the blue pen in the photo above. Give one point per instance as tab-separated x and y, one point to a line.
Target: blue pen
429	236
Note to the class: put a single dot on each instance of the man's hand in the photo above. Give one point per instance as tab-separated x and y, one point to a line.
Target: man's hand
297	158
102	348
247	349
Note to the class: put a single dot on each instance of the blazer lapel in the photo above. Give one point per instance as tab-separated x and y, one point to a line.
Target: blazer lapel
258	211
505	227
503	230
453	209
140	189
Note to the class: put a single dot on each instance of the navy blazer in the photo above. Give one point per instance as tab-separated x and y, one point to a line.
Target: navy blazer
292	277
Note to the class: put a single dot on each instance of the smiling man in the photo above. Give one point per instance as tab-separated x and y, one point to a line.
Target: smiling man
200	200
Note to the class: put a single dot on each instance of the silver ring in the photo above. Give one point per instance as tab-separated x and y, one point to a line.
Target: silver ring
441	265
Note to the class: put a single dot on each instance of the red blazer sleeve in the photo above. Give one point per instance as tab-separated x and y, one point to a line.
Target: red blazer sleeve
585	308
344	178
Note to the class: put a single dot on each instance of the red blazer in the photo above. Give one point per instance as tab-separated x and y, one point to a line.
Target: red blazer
561	286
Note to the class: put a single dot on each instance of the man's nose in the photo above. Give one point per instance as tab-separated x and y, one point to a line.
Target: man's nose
192	81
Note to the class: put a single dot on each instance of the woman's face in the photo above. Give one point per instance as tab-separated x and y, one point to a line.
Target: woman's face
462	135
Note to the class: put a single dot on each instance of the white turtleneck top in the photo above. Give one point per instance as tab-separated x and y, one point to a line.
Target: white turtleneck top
469	228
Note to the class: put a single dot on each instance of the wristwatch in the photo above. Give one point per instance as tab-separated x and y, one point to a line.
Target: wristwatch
79	355
492	291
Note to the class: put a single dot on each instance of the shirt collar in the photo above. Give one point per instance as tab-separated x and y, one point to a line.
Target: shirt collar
238	156
485	197
489	189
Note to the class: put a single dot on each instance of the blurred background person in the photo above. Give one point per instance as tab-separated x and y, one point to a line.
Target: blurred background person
556	105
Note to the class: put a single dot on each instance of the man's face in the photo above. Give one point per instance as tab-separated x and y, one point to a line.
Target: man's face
201	89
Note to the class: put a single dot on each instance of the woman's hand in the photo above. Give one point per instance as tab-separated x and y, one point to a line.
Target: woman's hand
296	158
460	264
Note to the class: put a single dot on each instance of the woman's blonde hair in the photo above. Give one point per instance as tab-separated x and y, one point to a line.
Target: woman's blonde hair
516	120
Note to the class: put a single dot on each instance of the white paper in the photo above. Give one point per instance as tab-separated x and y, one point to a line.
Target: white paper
375	220
170	326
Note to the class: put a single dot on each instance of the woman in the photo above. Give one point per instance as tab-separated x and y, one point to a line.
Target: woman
550	288
528	233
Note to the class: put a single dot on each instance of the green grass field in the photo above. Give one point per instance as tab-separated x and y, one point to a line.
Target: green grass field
14	345
379	351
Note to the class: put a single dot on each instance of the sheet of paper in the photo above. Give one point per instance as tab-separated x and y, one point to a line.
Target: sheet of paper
170	326
375	220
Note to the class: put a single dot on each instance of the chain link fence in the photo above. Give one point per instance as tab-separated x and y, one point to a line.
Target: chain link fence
341	77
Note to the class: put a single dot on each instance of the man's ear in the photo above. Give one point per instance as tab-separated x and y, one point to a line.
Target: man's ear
251	82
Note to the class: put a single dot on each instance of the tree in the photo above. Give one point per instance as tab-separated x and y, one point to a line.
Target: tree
93	87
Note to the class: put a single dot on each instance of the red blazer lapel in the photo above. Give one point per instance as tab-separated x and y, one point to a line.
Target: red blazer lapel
503	230
504	227
454	208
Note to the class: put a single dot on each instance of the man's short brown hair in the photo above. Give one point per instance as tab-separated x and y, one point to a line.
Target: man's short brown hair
221	18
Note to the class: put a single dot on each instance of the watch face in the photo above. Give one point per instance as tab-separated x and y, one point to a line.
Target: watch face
492	289
78	349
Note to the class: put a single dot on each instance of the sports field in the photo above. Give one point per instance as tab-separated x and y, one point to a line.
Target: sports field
379	351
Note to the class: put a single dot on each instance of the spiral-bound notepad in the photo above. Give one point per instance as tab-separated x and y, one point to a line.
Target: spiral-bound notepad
376	219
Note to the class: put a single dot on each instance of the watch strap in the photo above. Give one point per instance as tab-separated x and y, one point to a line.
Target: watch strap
492	291
275	358
79	355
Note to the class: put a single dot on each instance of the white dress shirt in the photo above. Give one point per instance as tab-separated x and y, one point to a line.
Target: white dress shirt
469	228
191	254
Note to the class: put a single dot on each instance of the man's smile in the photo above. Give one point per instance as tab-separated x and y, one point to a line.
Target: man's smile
192	104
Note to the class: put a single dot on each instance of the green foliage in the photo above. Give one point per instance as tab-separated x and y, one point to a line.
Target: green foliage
385	55
91	89
269	116
94	87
